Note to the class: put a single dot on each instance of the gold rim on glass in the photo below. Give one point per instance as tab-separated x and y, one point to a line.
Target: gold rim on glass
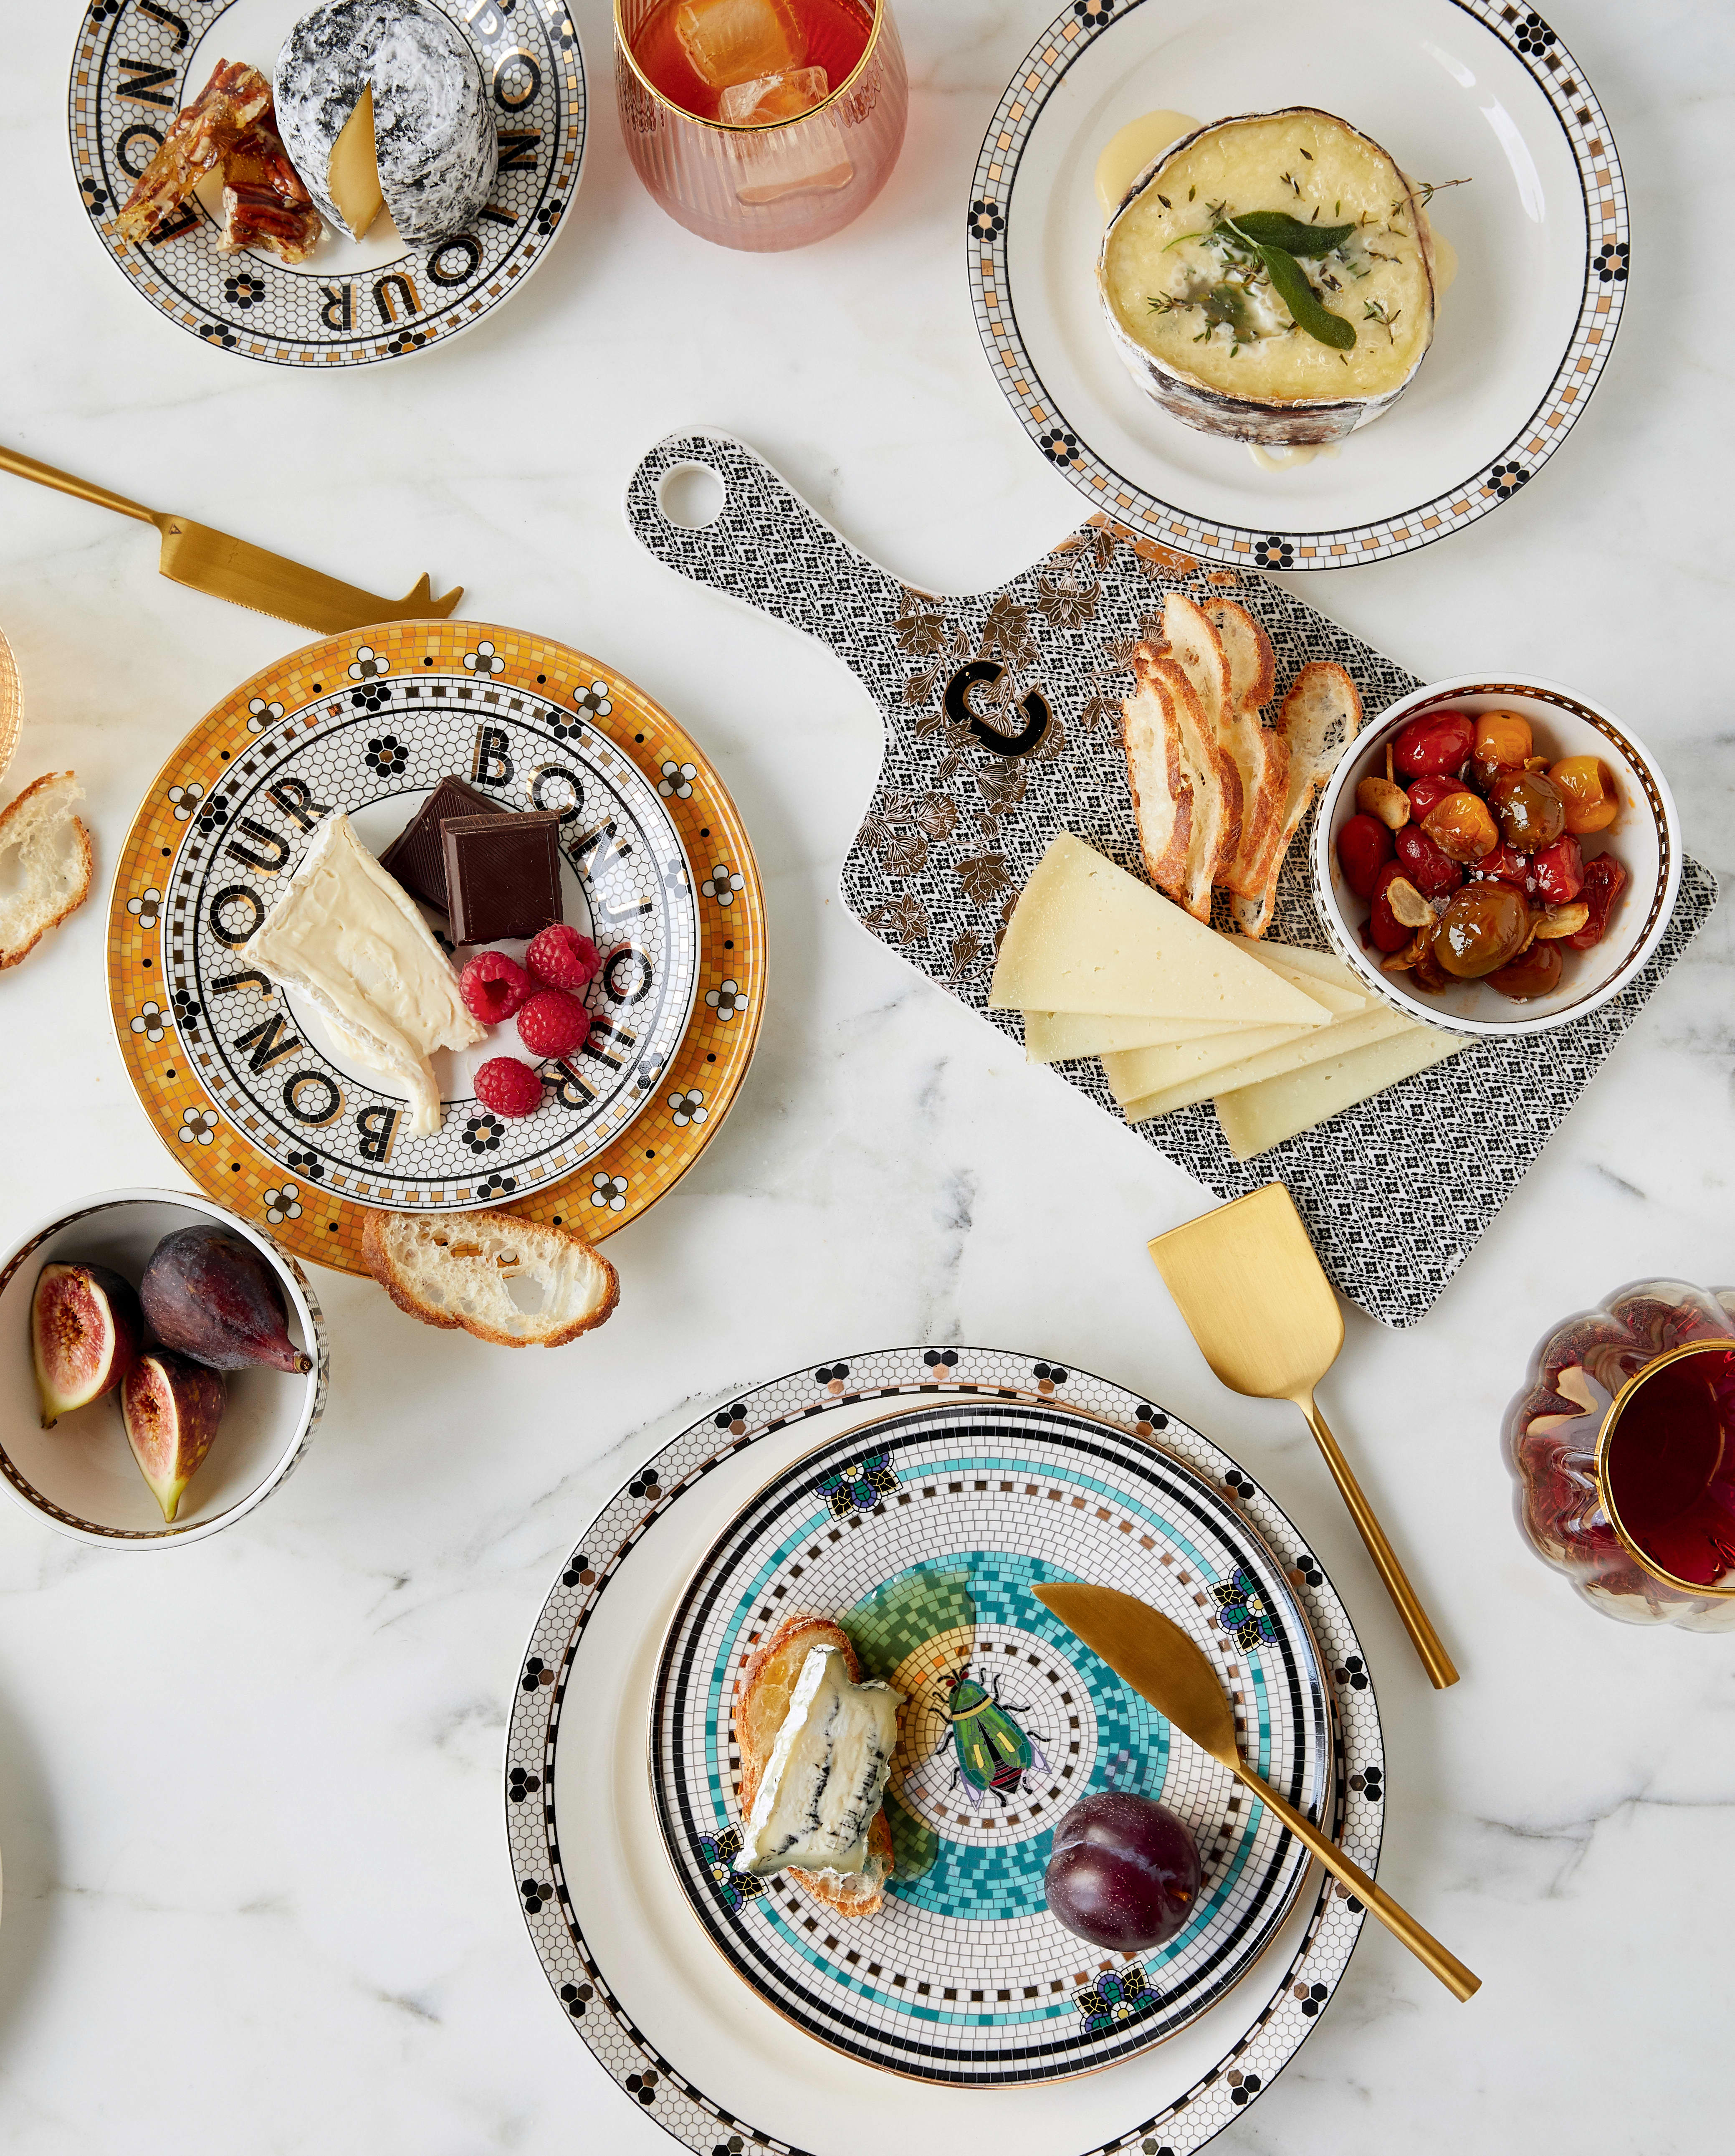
758	127
1694	1587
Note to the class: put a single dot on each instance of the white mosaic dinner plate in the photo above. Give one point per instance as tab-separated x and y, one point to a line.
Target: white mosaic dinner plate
711	2058
1453	88
352	303
924	1536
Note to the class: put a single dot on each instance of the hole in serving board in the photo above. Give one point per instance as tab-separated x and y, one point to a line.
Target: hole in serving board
691	496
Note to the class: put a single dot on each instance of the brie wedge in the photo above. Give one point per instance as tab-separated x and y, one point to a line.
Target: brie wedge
826	1774
351	941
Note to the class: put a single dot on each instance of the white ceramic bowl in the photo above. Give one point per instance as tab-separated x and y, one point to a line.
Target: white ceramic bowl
81	1477
1646	837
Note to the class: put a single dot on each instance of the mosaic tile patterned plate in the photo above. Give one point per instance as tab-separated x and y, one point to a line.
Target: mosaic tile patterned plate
923	1536
242	1081
722	2065
1001	715
352	303
1481	89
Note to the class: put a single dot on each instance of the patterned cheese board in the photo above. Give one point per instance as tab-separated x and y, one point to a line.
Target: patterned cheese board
1001	712
241	1079
924	1535
351	303
629	1940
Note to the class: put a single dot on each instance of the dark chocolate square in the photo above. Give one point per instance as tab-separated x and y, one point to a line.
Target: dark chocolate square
416	856
503	875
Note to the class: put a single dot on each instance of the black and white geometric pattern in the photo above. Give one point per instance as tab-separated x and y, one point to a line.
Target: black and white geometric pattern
619	1556
1396	1192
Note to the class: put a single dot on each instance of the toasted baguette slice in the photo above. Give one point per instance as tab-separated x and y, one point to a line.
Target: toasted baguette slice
1321	710
1208	773
44	864
761	1705
1150	736
1198	650
1260	755
454	1269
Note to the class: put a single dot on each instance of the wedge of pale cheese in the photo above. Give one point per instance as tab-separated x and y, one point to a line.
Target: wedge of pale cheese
349	939
1255	1117
1136	1073
1085	936
826	1774
1357	1032
1316	973
1056	1036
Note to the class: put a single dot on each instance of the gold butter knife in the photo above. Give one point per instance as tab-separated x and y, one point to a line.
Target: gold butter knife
211	561
1164	1666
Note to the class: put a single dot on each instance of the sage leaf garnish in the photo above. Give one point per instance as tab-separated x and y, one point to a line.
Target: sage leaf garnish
1289	281
1276	227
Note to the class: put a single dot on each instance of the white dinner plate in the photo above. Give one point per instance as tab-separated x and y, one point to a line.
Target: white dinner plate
352	303
1454	89
629	1961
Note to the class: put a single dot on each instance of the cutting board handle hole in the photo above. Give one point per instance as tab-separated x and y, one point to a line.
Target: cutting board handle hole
691	496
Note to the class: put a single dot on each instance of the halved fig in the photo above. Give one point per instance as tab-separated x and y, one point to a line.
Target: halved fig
209	1295
86	1329
171	1407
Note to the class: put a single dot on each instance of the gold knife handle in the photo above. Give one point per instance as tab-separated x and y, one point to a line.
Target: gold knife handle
1396	1919
23	467
1436	1661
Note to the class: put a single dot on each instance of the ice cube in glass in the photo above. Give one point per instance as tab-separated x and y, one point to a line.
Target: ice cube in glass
769	98
734	41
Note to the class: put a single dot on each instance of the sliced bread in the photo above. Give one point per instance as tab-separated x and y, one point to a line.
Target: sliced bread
1259	752
763	1692
1150	738
459	1270
1321	712
45	863
1198	651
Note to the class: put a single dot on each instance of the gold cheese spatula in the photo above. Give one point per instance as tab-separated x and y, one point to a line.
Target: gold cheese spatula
211	561
1254	1297
1164	1666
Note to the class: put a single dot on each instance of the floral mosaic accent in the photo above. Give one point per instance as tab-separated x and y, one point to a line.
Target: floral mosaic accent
941	1358
368	665
1275	553
213	814
722	883
549	216
594	702
261	714
283	1204
986	220
1116	1995
719	1852
245	290
609	1191
216	333
1367	1783
146	907
1060	448
408	341
386	757
305	1163
1508	479
1242	1611
688	1107
1092	11
198	1126
726	1000
732	1418
676	783
860	1487
1609	264
484	660
522	1784
1353	1672
185	800
483	1133
1533	35
150	1021
496	1185
188	1011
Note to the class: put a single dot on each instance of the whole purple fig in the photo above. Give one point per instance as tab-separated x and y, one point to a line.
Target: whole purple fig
211	1296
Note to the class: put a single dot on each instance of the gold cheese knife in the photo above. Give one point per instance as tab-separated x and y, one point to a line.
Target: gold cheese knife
1255	1299
211	561
1164	1666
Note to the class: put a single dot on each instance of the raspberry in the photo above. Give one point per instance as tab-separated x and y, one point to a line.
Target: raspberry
551	1024
493	986
561	958
507	1087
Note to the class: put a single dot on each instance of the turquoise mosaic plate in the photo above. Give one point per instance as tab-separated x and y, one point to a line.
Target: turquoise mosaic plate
923	1535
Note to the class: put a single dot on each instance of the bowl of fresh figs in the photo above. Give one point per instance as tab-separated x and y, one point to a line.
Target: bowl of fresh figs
162	1365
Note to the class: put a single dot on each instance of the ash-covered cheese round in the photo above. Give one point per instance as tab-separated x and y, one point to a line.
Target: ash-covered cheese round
400	71
1199	311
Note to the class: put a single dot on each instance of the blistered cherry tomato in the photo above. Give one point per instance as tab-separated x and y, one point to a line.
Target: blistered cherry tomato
1426	973
1560	872
1438	742
1604	878
1506	865
1529	811
1385	932
1503	741
1587	785
1364	846
1462	826
1432	872
1484	926
1426	793
1534	972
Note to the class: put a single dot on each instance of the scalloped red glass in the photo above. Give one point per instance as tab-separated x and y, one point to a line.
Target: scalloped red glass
1622	1484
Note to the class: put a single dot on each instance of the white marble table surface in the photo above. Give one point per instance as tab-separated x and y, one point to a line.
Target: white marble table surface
257	1897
